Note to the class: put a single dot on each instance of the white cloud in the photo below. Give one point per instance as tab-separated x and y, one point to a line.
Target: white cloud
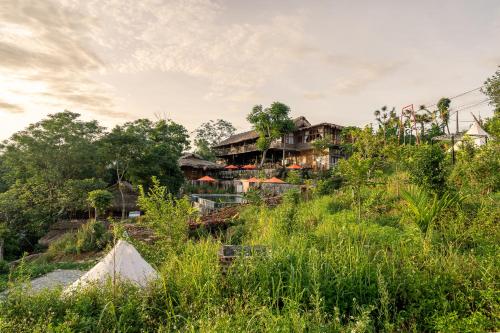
45	59
191	37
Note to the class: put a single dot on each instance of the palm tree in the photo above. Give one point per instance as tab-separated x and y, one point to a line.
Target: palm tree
444	112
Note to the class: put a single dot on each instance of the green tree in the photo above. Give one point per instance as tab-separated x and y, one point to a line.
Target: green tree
100	200
491	89
357	172
271	123
141	149
209	134
74	192
55	149
443	106
321	145
476	172
427	168
165	214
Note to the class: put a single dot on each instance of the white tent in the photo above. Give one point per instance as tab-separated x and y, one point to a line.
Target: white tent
123	263
477	134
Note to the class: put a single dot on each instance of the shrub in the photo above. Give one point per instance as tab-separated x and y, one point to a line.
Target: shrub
92	236
427	168
294	177
100	200
4	267
165	214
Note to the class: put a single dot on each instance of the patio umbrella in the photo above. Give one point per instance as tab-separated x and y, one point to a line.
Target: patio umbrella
231	167
249	167
254	180
294	167
207	179
274	180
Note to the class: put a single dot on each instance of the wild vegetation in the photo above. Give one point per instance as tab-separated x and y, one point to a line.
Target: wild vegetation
397	238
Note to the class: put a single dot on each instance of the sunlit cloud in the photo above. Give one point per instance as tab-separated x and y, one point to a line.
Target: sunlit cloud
45	61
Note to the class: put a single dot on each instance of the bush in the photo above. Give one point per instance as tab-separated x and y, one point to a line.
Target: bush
294	177
92	236
4	267
427	168
327	186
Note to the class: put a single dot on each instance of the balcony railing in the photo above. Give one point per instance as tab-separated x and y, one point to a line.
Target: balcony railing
234	150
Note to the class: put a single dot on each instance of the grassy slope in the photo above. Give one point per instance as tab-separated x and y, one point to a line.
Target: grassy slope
324	271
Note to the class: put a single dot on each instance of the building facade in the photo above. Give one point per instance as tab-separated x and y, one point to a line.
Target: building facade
295	147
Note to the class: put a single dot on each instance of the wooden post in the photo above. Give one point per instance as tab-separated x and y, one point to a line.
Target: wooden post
453	149
1	249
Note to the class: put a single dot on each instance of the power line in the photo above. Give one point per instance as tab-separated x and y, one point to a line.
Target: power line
468	106
456	96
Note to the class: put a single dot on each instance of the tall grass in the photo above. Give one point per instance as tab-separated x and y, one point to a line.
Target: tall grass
322	271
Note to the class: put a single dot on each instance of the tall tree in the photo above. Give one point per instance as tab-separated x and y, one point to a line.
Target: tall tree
211	133
443	106
141	149
491	89
271	123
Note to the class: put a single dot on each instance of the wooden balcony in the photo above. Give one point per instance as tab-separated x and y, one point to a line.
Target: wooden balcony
234	150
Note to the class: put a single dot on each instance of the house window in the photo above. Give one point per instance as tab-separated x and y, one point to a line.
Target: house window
289	138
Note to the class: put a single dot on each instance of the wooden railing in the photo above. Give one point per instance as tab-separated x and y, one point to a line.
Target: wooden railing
250	148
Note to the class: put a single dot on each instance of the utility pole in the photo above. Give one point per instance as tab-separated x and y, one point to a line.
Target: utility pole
456	131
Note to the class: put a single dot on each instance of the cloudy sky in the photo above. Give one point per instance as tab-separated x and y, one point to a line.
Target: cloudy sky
195	60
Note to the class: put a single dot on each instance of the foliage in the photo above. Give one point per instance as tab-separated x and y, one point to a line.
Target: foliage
426	207
271	123
165	214
142	149
294	177
491	89
100	200
427	168
357	172
210	134
4	267
443	106
476	172
253	196
74	194
92	236
328	273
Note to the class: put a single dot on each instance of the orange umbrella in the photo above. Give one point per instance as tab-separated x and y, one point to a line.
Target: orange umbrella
274	180
254	180
249	167
206	179
294	166
231	167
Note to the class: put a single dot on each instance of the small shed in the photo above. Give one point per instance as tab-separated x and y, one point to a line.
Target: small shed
194	166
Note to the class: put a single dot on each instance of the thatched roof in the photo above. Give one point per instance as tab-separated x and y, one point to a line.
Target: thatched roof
192	160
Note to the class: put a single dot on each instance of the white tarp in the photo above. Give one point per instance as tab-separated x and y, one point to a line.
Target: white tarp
123	263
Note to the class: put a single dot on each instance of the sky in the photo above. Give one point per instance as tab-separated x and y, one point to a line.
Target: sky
196	60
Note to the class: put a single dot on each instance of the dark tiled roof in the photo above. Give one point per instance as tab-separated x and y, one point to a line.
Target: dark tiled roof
300	122
248	135
196	161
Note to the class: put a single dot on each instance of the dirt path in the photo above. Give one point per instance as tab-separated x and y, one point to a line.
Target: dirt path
59	277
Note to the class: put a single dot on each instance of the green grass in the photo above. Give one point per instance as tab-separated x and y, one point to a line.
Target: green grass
323	271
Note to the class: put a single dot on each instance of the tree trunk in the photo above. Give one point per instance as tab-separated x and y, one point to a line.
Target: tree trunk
123	200
1	249
263	157
283	159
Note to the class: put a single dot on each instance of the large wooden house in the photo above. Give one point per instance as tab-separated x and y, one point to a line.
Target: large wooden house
296	147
